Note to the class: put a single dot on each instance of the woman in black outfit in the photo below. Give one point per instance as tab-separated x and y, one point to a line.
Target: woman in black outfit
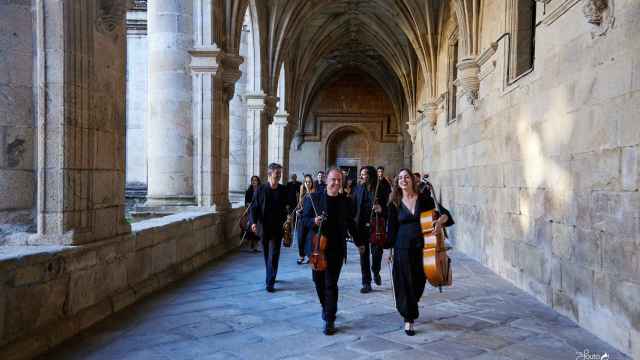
405	237
304	237
248	198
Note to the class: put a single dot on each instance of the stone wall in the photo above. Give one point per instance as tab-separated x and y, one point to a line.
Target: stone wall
50	293
353	104
17	147
543	176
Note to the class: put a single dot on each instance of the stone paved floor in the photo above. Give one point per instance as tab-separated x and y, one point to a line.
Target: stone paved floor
223	312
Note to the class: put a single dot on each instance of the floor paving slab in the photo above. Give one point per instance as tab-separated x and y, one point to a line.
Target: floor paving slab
224	312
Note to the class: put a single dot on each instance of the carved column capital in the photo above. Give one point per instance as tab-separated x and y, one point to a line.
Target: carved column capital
230	72
281	119
431	113
469	79
205	59
599	14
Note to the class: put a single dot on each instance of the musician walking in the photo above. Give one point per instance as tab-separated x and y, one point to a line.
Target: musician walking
405	235
267	214
367	200
302	234
337	221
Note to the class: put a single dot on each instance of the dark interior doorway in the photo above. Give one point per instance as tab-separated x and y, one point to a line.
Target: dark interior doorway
352	172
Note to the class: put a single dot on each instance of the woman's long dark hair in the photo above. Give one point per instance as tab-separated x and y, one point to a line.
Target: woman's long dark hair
396	192
250	182
373	177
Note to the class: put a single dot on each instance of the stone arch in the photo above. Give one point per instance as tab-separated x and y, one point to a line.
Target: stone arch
341	133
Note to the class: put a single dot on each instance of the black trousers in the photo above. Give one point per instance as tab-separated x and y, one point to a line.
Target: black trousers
370	259
304	245
408	281
271	251
327	286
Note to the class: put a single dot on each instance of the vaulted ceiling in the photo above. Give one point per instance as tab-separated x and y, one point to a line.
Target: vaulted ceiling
394	41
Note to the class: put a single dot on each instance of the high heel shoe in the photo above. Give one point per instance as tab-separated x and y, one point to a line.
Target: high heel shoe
408	329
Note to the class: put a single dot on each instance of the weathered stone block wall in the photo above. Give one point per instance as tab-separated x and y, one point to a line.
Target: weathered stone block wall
17	147
543	177
50	293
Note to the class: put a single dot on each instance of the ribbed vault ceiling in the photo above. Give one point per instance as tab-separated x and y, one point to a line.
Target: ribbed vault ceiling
391	40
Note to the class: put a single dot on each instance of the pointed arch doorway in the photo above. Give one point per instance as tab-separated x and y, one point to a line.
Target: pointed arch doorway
348	148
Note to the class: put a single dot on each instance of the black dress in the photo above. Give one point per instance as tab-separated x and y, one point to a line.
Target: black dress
405	236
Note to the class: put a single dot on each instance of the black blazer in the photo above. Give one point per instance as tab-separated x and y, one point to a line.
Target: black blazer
336	246
261	204
403	228
248	196
360	197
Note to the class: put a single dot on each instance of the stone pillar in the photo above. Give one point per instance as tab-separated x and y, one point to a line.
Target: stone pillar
225	91
80	77
137	103
277	140
170	126
238	139
260	109
214	77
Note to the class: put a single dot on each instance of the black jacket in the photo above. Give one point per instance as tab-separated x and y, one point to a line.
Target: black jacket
293	190
345	223
362	209
262	204
248	196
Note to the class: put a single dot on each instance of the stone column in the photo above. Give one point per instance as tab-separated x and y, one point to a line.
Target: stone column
80	77
170	126
137	103
277	137
260	109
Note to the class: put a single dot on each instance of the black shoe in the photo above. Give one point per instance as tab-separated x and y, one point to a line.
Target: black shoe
300	261
365	289
377	279
270	288
329	328
408	328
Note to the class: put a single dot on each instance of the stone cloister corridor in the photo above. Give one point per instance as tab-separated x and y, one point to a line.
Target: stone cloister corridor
130	131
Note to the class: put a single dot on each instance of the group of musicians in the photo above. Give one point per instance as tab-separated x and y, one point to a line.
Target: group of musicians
343	212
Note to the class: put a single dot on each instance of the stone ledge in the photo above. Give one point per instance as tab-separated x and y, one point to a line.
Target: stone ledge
63	290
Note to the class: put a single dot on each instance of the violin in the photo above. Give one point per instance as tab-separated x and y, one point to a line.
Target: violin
318	258
378	234
436	262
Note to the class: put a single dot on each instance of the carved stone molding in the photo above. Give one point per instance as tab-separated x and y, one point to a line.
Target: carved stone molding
558	10
599	14
230	73
431	114
108	15
468	80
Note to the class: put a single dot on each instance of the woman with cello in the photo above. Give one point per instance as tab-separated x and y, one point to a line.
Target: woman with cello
405	236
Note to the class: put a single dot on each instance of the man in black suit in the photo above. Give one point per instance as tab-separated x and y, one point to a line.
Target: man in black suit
366	201
267	214
337	221
293	190
320	184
